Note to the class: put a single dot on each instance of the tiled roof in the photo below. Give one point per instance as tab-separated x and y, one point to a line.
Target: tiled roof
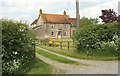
72	20
55	18
34	22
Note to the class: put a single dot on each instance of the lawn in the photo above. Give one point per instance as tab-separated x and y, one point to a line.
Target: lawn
40	67
54	57
35	66
74	54
64	44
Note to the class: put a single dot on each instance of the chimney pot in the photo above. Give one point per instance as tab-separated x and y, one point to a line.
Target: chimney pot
40	11
64	12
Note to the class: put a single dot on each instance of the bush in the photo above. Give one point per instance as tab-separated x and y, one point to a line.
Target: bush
17	45
99	37
53	43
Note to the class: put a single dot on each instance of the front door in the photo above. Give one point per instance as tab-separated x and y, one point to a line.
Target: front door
59	34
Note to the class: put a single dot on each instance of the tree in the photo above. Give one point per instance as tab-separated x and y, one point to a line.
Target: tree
119	18
85	21
109	16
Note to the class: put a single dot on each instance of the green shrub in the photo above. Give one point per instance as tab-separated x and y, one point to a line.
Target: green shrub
103	38
53	43
17	45
44	41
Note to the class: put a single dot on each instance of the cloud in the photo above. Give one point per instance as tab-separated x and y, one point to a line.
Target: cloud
95	11
29	9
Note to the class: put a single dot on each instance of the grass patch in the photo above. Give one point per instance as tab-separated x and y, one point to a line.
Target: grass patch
74	54
64	42
54	57
63	39
39	67
35	66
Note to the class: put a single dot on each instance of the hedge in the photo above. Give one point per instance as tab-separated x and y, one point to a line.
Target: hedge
17	45
102	39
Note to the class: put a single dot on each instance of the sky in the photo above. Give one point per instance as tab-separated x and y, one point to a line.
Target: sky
28	10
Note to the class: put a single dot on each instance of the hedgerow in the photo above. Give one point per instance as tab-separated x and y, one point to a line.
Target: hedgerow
17	45
103	39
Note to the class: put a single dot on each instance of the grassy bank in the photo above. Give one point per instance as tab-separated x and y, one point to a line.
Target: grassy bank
77	55
35	66
40	67
54	57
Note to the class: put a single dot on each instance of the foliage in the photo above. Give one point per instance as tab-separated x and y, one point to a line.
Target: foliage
85	21
17	45
109	16
101	38
44	41
53	43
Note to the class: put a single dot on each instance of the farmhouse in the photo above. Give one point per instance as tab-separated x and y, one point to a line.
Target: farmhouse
54	25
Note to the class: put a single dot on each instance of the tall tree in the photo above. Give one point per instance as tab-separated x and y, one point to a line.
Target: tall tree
86	21
109	16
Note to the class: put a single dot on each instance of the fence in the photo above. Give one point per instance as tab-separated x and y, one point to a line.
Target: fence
60	44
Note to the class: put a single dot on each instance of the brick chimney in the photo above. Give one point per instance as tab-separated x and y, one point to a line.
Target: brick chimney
40	11
64	12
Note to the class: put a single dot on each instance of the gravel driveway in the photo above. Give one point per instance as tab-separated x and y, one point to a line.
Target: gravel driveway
95	67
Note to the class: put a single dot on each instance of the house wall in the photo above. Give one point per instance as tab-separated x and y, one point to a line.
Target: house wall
73	30
42	32
61	28
45	30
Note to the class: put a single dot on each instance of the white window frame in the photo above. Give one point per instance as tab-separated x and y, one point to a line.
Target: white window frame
52	33
65	33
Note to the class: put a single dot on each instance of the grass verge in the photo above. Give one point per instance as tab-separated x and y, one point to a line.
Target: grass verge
54	57
39	67
77	55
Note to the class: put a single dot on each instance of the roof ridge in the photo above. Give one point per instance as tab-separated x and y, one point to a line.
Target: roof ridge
50	14
72	18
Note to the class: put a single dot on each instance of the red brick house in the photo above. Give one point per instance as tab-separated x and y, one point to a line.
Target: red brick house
54	25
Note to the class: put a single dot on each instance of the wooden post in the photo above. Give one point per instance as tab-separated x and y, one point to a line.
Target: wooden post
53	43
41	42
33	46
68	46
73	42
61	45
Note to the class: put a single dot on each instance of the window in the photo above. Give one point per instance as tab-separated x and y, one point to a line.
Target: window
65	33
52	33
65	26
53	26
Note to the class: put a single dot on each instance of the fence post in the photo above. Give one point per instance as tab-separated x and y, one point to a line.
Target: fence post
73	43
61	45
53	43
68	45
33	45
41	42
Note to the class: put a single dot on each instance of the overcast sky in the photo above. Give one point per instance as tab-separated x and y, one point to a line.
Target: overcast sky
28	10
